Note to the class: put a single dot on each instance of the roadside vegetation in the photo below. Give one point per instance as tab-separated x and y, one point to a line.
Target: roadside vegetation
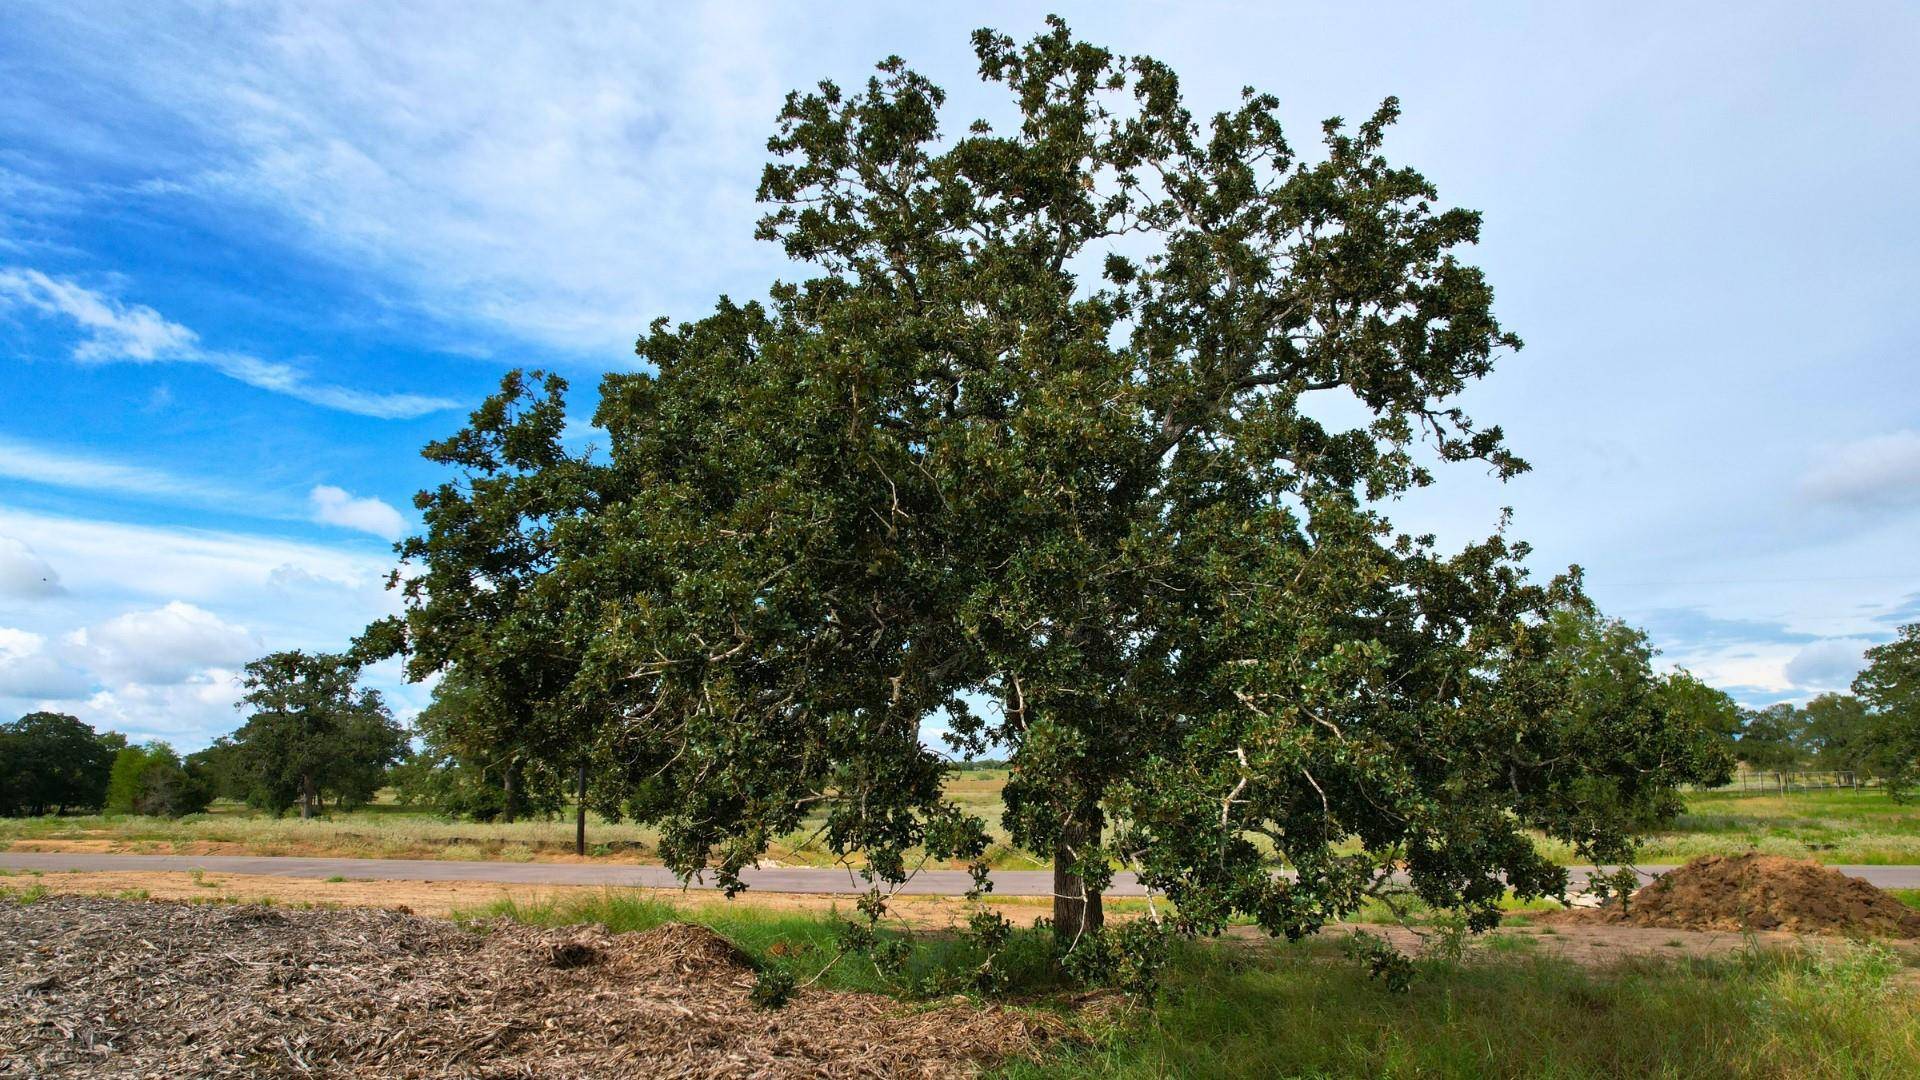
1238	1008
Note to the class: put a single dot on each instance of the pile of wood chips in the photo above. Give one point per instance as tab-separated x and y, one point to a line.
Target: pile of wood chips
101	987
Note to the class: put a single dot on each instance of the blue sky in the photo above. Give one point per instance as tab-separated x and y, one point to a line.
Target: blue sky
253	256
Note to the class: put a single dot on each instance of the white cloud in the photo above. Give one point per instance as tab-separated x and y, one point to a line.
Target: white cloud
188	713
163	645
1881	471
1827	665
136	333
335	506
155	620
29	670
200	566
24	575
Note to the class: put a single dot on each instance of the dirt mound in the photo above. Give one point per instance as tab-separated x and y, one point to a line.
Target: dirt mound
1766	892
98	987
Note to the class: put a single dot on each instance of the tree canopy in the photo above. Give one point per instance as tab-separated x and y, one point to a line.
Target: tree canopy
51	762
1079	438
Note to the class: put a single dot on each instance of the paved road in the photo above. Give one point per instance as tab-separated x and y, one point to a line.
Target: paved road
784	879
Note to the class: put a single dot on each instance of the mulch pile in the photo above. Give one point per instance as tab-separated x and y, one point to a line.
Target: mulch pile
1765	892
100	987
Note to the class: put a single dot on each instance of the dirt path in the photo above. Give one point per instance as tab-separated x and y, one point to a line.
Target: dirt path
768	879
440	898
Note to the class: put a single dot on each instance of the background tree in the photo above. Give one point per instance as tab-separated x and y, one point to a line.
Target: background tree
1771	741
52	763
1889	687
474	601
1839	733
153	780
312	733
460	768
1049	430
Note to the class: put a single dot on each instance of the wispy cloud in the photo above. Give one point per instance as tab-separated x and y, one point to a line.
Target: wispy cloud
153	622
55	468
122	332
1882	472
566	189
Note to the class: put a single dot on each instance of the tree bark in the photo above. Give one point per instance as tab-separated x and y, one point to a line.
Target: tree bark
512	792
306	798
580	811
1076	909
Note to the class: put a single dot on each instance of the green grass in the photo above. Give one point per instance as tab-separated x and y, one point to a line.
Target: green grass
1265	1009
807	944
1837	826
1287	1012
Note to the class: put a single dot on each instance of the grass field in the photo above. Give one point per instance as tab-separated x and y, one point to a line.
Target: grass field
1834	826
1263	1009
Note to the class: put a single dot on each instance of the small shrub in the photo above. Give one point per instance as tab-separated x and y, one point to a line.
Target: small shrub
1447	937
774	987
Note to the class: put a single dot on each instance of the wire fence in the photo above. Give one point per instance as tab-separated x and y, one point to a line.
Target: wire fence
1759	782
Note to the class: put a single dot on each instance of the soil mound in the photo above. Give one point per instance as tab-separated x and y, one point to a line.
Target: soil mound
96	987
1766	892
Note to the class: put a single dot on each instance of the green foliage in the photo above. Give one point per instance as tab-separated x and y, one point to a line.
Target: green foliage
773	987
1889	687
1041	445
481	613
461	768
152	780
1770	739
53	763
1845	736
1703	706
312	734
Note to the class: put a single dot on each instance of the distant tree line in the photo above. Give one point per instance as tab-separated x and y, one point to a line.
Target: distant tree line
312	738
1871	734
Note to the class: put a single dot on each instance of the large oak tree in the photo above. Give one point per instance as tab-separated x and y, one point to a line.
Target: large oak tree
1078	436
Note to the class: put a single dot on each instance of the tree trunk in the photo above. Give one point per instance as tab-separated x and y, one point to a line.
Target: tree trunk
1076	909
307	795
580	812
512	792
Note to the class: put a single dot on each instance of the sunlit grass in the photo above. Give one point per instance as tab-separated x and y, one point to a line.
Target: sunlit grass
1513	1013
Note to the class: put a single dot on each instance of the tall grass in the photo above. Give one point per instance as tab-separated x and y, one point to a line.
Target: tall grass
1292	1012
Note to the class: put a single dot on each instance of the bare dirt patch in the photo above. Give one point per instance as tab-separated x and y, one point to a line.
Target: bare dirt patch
100	987
1762	893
